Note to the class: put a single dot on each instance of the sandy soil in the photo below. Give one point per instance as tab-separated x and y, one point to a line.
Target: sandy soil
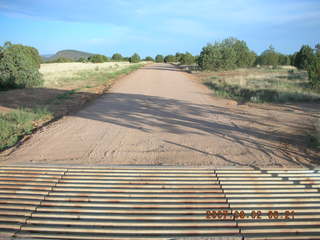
162	116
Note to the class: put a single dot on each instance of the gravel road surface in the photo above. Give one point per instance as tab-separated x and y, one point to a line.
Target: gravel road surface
160	115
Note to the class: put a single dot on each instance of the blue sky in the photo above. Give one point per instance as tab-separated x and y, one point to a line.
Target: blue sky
150	27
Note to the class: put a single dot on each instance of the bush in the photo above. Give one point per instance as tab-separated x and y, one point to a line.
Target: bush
226	55
178	56
19	66
148	58
82	59
187	59
218	56
292	58
117	57
304	57
284	59
314	72
317	48
98	58
170	59
36	58
159	58
135	58
244	57
269	57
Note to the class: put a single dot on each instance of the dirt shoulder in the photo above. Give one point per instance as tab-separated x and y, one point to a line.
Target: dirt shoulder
158	115
57	101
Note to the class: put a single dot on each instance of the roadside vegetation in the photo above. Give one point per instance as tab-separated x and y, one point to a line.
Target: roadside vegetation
227	67
149	59
234	71
15	124
159	58
70	90
32	93
84	80
19	66
261	85
135	58
78	75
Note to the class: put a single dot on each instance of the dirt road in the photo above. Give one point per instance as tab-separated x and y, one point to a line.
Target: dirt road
159	115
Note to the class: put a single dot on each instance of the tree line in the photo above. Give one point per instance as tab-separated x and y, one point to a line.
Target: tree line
232	53
183	58
19	64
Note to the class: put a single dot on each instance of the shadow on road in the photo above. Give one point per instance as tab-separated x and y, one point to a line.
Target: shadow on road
144	113
164	67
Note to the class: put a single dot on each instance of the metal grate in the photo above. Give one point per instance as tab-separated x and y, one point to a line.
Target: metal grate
158	203
288	201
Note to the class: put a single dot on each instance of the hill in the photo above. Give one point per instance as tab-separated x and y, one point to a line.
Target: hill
72	54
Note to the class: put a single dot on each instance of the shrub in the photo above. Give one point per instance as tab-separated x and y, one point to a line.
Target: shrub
135	58
292	58
117	57
226	55
218	56
148	58
284	59
19	66
36	58
244	57
178	56
187	59
269	57
317	50
159	58
304	57
170	59
82	59
314	72
98	58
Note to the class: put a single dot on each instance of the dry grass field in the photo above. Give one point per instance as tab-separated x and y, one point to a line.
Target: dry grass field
285	84
61	74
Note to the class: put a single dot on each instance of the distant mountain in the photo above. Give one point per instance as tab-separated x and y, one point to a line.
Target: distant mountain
46	56
71	54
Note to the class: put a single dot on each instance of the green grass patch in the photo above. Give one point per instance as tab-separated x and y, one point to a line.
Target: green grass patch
15	124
